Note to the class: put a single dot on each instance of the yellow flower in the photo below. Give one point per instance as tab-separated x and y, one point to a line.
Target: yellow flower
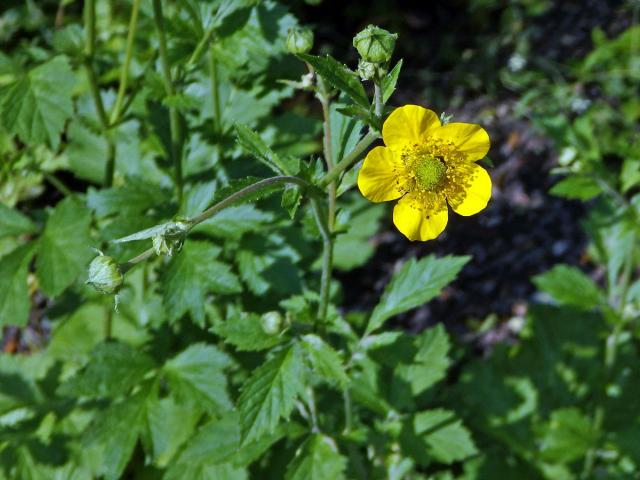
426	164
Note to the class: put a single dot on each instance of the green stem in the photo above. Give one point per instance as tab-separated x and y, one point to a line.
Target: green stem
215	93
59	184
108	325
377	99
202	45
124	72
350	159
227	202
90	28
111	164
174	115
348	415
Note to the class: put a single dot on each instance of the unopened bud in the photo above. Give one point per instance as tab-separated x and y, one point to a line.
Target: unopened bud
299	40
105	275
273	323
370	71
375	44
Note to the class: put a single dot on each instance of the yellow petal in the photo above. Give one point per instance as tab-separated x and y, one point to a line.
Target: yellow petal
476	191
416	223
408	125
469	138
378	178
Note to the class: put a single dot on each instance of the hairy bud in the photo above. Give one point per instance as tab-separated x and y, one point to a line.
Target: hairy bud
273	323
375	44
105	275
299	40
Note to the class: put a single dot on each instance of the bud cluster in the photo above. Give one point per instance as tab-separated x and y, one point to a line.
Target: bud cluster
375	46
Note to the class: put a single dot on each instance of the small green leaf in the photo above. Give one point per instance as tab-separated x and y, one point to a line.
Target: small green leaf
114	433
14	292
325	361
577	187
446	439
569	286
317	459
568	437
389	82
340	77
251	142
193	273
65	247
430	362
114	368
197	375
245	332
13	222
37	106
269	394
413	285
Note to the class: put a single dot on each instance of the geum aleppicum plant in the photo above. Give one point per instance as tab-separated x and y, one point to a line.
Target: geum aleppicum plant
425	165
306	362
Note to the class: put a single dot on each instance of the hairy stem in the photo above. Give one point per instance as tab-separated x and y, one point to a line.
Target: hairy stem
124	72
215	93
174	116
377	99
349	159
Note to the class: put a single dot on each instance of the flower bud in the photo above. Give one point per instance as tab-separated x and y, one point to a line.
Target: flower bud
375	44
367	70
105	275
299	40
273	323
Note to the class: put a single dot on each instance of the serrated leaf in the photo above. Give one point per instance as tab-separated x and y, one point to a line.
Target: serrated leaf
37	106
324	360
13	222
414	284
389	82
115	432
191	275
269	394
136	195
197	375
569	286
245	332
235	221
317	459
170	424
14	292
446	439
430	362
251	142
340	77
568	436
114	368
65	247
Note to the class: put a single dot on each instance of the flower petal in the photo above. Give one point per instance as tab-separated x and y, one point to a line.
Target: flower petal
416	223
378	177
408	125
476	194
469	138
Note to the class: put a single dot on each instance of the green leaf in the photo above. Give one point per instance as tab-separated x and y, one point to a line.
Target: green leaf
115	432
430	362
137	195
568	436
354	247
114	368
197	375
269	394
13	222
251	142
317	459
14	292
577	187
340	77
235	221
37	106
389	82
414	284
191	275
170	425
446	439
65	247
569	286
245	332
325	361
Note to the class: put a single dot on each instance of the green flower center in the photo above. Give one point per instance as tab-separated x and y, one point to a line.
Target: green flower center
429	172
